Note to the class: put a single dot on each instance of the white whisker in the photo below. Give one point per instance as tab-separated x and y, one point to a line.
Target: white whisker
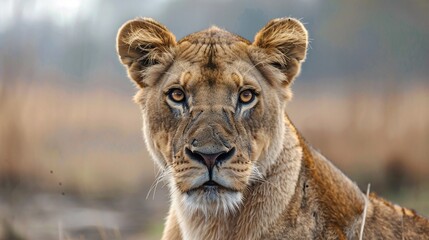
160	176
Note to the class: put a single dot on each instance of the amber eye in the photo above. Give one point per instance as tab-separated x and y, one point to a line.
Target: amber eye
247	96
176	95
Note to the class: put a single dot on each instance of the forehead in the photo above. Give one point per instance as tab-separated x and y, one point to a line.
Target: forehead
212	57
214	35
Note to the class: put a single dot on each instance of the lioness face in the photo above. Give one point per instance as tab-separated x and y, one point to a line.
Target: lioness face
212	104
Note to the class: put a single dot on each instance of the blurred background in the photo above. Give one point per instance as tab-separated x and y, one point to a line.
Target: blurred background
73	164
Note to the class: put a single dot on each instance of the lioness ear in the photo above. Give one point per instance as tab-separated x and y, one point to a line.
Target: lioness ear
142	43
284	41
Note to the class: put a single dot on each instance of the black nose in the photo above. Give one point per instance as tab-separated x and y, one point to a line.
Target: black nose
208	158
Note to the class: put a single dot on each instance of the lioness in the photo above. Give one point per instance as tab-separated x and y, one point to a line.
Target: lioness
214	119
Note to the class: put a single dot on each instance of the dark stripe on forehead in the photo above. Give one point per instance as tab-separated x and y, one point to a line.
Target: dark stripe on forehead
211	55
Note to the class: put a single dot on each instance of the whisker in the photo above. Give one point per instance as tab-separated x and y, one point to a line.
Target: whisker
161	175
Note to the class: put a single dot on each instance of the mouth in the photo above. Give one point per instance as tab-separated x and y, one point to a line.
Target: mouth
211	186
210	183
212	196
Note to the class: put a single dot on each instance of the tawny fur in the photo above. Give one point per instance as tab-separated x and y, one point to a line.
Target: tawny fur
276	185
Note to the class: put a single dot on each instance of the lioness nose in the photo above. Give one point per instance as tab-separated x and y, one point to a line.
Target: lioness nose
210	159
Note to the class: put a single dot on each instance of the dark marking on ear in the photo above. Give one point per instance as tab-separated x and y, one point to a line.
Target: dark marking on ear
277	65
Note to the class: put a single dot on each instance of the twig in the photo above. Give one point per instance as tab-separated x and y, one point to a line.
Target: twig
364	212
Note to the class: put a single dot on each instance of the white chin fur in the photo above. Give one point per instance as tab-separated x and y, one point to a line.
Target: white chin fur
211	203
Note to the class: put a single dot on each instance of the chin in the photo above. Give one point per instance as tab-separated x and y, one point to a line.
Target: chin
211	200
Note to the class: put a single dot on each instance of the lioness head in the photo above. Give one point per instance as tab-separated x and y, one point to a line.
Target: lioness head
213	104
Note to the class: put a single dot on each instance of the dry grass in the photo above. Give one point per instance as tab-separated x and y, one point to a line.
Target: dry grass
369	134
88	141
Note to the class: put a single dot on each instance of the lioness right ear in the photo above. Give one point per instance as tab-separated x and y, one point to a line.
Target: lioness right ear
142	43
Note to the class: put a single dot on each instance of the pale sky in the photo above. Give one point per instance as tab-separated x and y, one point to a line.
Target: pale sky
62	11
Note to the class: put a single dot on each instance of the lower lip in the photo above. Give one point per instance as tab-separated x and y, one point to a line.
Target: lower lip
210	184
209	188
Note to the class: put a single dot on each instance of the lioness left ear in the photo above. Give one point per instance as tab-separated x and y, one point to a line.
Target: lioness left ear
284	40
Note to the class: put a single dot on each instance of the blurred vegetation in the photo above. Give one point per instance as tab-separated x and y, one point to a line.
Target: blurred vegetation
71	151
